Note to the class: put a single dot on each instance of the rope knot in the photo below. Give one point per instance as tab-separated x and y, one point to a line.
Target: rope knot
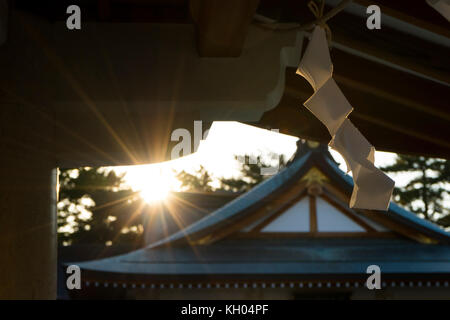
320	21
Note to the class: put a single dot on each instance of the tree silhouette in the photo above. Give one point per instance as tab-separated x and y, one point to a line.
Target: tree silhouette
424	194
94	207
250	176
200	181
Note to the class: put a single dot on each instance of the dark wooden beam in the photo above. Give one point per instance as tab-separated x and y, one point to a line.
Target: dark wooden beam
118	11
300	235
387	44
312	214
396	111
418	13
221	26
403	49
380	80
104	9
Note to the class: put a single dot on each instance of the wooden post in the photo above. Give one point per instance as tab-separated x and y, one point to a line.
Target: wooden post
221	26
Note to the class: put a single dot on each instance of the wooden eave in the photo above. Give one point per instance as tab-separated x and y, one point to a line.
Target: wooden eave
398	82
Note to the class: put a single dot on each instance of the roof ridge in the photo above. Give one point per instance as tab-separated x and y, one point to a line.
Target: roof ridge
401	212
267	187
233	207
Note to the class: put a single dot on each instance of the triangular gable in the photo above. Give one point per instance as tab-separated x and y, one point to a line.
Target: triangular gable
294	219
328	217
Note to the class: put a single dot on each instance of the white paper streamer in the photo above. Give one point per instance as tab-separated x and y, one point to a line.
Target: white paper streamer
316	65
329	104
372	188
442	6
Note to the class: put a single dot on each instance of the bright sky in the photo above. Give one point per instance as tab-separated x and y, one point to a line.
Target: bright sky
217	155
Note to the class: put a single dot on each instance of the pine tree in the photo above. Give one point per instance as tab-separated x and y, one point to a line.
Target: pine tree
250	174
424	194
199	181
93	207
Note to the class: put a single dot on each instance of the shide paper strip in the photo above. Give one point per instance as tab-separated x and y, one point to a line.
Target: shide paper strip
329	105
372	188
352	145
316	65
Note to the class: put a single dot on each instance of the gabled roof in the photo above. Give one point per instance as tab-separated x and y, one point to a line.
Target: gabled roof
239	211
247	201
403	216
178	210
219	245
291	258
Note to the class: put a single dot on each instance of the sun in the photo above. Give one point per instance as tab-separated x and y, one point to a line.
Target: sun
154	192
152	183
154	187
